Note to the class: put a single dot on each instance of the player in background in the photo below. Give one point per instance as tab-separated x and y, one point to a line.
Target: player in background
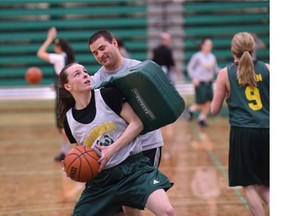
104	47
245	86
163	55
63	55
202	68
125	177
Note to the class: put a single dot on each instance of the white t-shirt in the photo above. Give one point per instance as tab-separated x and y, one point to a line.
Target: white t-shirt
58	60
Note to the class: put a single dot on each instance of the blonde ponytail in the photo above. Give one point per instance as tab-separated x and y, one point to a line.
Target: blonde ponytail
242	47
246	73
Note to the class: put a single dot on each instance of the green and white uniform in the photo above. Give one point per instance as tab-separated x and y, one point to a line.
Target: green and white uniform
104	129
249	134
127	178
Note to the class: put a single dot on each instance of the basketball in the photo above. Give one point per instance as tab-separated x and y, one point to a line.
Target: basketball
81	163
33	75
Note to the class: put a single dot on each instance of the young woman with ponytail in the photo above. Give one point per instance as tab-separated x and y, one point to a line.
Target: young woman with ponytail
102	120
245	86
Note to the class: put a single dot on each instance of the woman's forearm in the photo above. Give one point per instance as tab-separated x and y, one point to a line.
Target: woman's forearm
132	131
42	51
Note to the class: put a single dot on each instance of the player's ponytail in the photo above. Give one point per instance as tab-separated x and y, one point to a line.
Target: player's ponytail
66	100
242	47
245	72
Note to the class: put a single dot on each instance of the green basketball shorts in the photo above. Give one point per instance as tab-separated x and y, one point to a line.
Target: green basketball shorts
129	183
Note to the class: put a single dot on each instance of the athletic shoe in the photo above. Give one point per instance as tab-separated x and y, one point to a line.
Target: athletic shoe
60	157
203	123
188	115
191	115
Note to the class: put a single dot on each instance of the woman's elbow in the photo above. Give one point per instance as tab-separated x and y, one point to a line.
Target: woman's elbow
214	110
42	55
140	126
39	54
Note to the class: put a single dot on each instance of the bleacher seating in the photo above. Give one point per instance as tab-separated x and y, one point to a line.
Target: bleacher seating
220	21
24	25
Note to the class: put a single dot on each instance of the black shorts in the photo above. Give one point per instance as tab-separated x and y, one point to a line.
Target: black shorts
249	156
154	155
204	92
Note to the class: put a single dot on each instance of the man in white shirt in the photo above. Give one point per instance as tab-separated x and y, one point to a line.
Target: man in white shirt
104	47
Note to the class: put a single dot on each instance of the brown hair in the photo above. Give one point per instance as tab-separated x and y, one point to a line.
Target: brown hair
65	46
66	100
203	41
108	36
242	47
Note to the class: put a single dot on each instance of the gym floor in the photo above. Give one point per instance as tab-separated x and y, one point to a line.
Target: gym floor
195	159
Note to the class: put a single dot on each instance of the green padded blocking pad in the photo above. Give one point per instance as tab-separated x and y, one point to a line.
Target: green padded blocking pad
150	93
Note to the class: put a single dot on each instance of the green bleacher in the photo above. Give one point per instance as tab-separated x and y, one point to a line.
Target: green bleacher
24	25
220	21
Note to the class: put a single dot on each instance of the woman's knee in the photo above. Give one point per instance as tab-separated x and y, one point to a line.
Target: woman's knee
158	203
167	210
170	211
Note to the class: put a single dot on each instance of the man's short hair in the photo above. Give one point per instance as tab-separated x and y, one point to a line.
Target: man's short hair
108	36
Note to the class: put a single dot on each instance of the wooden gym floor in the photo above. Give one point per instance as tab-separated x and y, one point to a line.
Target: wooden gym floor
32	184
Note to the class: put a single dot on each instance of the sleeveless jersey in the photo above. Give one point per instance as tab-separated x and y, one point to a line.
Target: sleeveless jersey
149	140
249	107
106	128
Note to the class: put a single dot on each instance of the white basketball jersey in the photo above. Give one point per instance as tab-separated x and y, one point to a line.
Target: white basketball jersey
106	128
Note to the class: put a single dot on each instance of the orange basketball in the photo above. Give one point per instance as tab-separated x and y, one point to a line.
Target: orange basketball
81	163
33	75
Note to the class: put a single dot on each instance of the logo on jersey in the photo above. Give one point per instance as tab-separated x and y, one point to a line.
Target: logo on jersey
105	141
98	131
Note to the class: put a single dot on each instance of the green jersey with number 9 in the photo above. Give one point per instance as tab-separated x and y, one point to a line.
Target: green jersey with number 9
249	106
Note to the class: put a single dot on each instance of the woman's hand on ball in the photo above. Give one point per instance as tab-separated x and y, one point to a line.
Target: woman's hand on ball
106	154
